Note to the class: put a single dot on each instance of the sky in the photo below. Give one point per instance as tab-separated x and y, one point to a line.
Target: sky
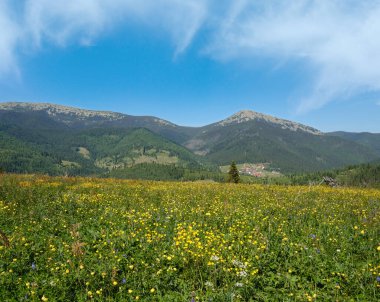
194	62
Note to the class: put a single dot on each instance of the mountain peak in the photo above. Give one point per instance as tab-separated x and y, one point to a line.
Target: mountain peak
249	115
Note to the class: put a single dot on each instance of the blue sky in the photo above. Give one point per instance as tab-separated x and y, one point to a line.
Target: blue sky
195	62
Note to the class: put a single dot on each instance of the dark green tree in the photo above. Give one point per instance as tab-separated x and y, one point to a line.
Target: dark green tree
233	174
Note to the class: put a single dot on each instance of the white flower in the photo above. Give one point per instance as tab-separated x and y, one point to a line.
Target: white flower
214	258
238	284
239	264
242	274
209	284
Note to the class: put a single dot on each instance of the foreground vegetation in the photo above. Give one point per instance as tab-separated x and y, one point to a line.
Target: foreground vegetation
365	175
76	239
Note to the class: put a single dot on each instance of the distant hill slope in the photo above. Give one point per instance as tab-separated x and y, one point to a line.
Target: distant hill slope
74	118
253	137
35	141
61	139
370	140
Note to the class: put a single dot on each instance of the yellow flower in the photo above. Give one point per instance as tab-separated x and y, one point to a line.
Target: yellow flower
44	298
152	290
130	291
114	282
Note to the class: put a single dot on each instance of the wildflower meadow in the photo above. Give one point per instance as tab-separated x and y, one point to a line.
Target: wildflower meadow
78	239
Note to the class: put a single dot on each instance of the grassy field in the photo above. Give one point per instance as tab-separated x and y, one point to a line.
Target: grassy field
77	239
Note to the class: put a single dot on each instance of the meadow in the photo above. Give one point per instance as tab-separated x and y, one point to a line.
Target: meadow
82	239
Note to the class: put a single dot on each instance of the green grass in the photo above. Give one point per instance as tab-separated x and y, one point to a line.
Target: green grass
77	239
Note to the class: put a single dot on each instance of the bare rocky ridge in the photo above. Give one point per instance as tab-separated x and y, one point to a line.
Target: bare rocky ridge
239	117
82	114
248	115
53	109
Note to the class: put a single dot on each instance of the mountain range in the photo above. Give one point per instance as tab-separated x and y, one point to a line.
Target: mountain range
55	139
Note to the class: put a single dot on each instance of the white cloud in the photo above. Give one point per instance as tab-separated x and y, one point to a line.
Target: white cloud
338	40
65	22
61	21
9	35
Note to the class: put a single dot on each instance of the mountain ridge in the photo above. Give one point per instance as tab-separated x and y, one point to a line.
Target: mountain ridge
244	115
246	136
371	140
54	109
238	117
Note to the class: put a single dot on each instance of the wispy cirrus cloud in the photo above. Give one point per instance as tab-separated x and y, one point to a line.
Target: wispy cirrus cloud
338	40
62	21
10	33
66	22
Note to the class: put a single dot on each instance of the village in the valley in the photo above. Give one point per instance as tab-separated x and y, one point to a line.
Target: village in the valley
258	170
